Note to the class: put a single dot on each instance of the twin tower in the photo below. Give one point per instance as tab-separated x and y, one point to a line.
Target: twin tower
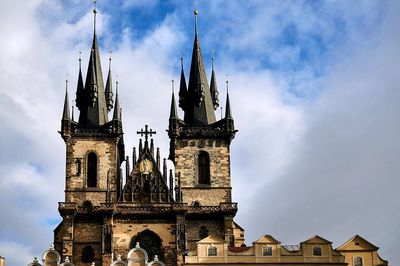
104	216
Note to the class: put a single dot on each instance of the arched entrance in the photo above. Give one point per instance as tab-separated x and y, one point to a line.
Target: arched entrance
150	242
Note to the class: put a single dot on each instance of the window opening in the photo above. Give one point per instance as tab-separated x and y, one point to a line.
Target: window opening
92	170
317	251
203	168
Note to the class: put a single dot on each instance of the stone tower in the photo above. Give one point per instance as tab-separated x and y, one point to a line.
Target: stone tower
199	149
164	213
94	153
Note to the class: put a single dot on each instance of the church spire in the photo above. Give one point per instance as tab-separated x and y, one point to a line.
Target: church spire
199	110
228	113
213	86
80	89
66	113
173	112
117	109
108	91
93	107
182	89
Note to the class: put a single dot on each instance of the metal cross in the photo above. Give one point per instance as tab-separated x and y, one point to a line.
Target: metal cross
146	132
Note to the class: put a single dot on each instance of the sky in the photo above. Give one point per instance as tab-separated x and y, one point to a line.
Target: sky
314	91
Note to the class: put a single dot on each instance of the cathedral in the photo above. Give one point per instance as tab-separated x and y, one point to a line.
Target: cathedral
146	214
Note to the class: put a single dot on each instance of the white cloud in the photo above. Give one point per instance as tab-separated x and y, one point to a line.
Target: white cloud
292	157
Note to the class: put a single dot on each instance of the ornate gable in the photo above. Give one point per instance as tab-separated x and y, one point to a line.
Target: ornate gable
146	183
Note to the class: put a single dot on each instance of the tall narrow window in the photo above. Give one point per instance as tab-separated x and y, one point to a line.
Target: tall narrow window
92	170
203	168
88	254
358	261
316	251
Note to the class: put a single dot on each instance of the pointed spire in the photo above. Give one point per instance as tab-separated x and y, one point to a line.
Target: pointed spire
213	86
127	169
199	109
94	108
117	112
108	91
171	182
152	147
140	147
165	169
80	89
182	89
134	156
228	114
173	113
66	103
158	157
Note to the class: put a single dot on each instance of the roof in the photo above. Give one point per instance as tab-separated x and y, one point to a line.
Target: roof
291	248
316	240
357	243
267	239
211	240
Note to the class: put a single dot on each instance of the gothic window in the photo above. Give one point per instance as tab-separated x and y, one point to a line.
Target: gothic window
88	254
316	251
358	261
92	170
203	232
267	251
212	251
203	168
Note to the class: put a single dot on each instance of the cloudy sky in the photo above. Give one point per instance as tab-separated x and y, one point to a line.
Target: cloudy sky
314	91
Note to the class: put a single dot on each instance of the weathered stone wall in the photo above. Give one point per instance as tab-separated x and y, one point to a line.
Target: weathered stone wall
76	176
219	190
214	227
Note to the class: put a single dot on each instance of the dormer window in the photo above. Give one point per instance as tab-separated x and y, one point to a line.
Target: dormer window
267	251
358	261
203	168
317	251
212	251
92	170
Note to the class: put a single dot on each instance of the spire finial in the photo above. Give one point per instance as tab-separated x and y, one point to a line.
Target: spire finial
66	83
195	12
80	59
212	59
109	60
94	15
227	86
173	86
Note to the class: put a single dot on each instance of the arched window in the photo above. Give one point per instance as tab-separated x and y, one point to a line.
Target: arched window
88	254
203	168
92	170
358	261
316	251
212	251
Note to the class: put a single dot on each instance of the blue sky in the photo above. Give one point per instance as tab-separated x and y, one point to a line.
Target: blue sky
314	91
